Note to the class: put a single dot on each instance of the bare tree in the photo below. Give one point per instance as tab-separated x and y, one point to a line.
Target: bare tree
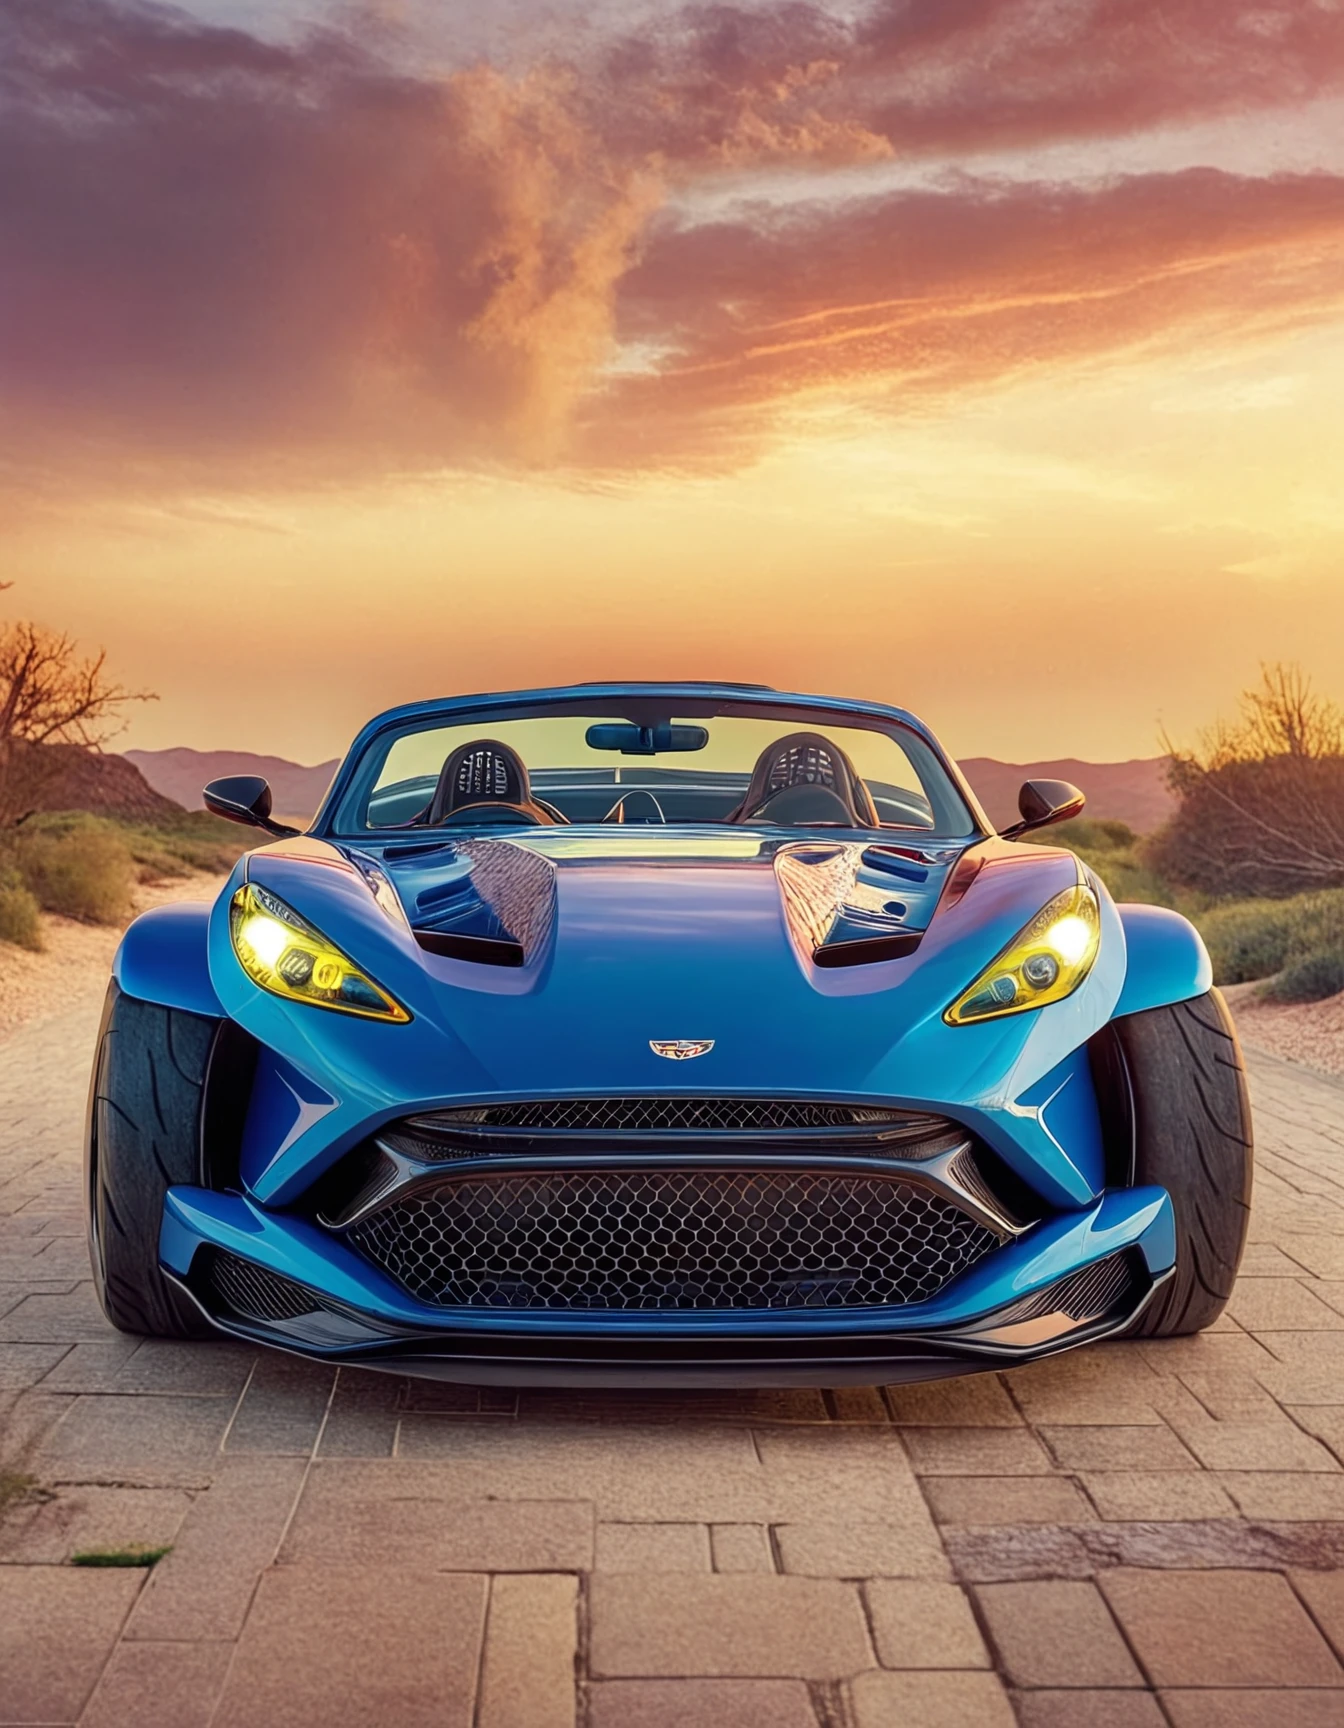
1261	806
50	694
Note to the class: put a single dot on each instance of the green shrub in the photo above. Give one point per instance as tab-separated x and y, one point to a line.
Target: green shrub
80	869
1248	939
20	915
1308	980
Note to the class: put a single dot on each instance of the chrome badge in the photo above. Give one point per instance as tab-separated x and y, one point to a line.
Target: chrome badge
680	1049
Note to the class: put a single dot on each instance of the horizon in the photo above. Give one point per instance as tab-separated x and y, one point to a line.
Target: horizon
981	358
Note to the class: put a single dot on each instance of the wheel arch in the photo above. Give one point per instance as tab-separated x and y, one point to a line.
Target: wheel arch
1166	960
164	958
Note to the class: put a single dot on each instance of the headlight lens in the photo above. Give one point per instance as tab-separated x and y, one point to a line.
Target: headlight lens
284	954
1043	963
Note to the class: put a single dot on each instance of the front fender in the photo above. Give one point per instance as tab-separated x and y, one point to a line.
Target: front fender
1166	960
164	957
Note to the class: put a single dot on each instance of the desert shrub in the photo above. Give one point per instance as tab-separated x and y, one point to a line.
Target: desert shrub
1248	939
20	915
1308	980
80	868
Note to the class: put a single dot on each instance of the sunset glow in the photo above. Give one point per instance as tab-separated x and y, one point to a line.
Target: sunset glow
983	356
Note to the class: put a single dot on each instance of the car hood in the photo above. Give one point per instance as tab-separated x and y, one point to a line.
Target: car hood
631	939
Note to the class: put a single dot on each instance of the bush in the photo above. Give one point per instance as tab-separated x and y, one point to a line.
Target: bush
80	869
1309	980
1248	939
20	916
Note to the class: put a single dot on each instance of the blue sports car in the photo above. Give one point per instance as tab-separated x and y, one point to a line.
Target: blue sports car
663	1034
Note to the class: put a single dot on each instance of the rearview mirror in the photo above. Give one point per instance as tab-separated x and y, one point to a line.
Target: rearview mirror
244	798
632	740
1042	802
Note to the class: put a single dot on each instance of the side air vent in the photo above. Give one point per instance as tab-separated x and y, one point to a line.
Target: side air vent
254	1293
484	950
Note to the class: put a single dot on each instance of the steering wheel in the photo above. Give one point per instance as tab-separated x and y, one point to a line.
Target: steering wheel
488	812
650	810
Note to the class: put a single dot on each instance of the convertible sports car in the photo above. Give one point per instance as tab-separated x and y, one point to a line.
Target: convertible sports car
663	1035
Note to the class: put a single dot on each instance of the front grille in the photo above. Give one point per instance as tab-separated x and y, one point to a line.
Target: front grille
672	1240
680	1116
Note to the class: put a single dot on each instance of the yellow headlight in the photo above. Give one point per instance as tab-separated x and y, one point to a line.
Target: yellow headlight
286	955
1043	963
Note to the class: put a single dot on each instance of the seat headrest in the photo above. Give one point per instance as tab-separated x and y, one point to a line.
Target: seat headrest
483	771
807	759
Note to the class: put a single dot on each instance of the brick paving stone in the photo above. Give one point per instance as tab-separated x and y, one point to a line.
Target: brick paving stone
531	1633
931	1700
1323	1593
357	1513
90	1367
202	1367
1277	1496
137	1437
1158	1495
858	1404
1089	1709
741	1548
23	1365
83	1517
871	1548
746	1626
1113	1386
1056	1633
360	1646
57	1628
203	1588
53	1319
284	1405
976	1452
978	1401
177	1684
700	1704
363	1417
1219	1629
1320	1254
1006	1500
923	1625
652	1548
1324	1421
1280	1708
1281	1305
1129	1447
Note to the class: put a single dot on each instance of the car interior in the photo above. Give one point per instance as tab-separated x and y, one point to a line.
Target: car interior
800	779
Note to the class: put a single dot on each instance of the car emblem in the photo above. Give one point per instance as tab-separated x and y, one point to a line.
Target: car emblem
680	1049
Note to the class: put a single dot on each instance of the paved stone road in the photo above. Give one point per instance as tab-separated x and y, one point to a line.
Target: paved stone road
1130	1535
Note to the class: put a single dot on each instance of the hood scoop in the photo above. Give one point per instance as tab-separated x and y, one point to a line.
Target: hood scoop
487	901
854	905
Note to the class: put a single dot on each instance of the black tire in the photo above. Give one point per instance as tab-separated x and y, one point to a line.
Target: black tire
143	1137
1192	1136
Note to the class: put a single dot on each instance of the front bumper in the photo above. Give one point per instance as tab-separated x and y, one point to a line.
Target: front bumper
1069	1279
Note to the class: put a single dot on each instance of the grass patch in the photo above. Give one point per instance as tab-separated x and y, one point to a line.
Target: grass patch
1309	980
80	870
1301	938
129	1556
1116	853
16	1488
20	914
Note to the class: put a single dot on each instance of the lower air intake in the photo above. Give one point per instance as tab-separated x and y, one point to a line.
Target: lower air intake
253	1293
672	1240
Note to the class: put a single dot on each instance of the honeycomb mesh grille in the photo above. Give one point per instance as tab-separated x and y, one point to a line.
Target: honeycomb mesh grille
672	1239
679	1115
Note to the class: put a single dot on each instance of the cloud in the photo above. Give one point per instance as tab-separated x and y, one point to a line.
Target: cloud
256	262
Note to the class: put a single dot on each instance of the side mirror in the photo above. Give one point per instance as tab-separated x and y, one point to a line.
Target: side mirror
244	798
1042	802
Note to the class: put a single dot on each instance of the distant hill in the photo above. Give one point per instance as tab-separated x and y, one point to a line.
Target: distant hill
106	784
1133	792
180	774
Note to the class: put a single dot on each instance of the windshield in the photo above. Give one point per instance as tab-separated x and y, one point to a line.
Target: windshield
793	769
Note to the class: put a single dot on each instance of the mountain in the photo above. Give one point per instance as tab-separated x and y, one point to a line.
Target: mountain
1133	792
72	778
180	774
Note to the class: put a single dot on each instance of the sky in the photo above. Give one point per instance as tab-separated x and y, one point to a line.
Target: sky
980	356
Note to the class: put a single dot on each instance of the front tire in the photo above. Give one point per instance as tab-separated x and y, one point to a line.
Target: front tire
1192	1136
143	1138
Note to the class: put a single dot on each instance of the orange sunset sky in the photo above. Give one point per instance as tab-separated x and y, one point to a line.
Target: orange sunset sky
985	356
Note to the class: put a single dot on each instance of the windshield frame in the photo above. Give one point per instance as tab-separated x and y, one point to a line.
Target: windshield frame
960	817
